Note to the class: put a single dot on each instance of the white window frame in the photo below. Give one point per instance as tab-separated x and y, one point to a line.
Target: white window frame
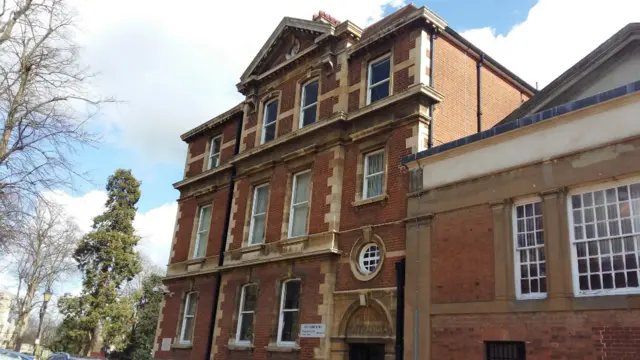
183	328
199	231
361	259
212	154
574	253
516	250
365	180
264	119
370	86
304	106
241	314
282	311
302	203
253	213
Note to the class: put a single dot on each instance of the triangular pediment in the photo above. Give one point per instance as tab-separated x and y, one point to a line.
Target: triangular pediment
290	38
614	63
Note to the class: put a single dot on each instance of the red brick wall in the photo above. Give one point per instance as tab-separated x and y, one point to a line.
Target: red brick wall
319	193
269	278
189	213
277	194
285	125
229	132
242	196
171	321
592	335
499	98
394	240
218	212
455	77
187	210
462	256
397	184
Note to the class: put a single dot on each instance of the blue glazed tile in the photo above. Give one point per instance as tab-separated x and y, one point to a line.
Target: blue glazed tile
528	120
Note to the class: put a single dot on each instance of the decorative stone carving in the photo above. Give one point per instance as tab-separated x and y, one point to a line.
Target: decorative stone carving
367	322
295	48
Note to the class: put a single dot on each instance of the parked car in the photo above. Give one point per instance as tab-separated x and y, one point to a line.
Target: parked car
65	356
13	355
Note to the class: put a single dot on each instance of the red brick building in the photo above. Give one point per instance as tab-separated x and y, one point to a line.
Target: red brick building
292	208
523	241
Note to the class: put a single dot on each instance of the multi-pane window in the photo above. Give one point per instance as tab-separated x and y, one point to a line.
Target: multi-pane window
258	214
244	333
505	350
378	82
269	121
605	236
309	103
530	264
188	317
204	221
289	307
214	152
299	204
373	174
369	258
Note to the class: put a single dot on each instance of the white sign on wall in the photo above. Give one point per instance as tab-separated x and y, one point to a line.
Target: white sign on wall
166	344
312	330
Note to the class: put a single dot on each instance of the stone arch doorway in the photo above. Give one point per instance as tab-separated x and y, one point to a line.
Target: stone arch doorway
365	333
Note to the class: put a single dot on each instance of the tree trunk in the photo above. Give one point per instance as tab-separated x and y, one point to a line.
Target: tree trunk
95	345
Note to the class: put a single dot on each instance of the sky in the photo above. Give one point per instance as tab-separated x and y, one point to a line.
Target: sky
174	67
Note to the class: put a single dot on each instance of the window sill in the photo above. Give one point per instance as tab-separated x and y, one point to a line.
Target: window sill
181	346
382	199
240	347
198	260
282	348
252	248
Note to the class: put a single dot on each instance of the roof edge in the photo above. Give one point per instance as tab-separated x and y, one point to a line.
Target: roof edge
213	122
285	22
455	35
576	70
529	120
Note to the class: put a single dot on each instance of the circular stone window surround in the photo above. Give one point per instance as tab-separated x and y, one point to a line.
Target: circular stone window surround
354	257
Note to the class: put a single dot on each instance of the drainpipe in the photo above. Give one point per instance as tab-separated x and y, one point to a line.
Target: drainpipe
479	91
400	271
223	245
432	51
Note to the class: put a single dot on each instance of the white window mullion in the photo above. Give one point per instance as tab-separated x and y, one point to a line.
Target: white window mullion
529	252
258	214
188	318
202	234
311	106
373	175
605	238
287	310
214	152
299	206
243	312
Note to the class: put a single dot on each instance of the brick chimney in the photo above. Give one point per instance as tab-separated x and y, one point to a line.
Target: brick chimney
325	18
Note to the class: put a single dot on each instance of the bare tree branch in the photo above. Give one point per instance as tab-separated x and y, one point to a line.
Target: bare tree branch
45	105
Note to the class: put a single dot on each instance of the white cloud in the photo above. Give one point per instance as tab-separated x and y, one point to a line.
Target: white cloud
155	227
175	64
555	35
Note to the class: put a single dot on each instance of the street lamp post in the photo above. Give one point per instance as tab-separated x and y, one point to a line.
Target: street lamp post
46	297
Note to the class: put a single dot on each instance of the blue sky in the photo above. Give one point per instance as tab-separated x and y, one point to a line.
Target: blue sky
157	175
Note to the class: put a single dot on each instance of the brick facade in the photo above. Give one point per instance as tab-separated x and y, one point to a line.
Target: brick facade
341	220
